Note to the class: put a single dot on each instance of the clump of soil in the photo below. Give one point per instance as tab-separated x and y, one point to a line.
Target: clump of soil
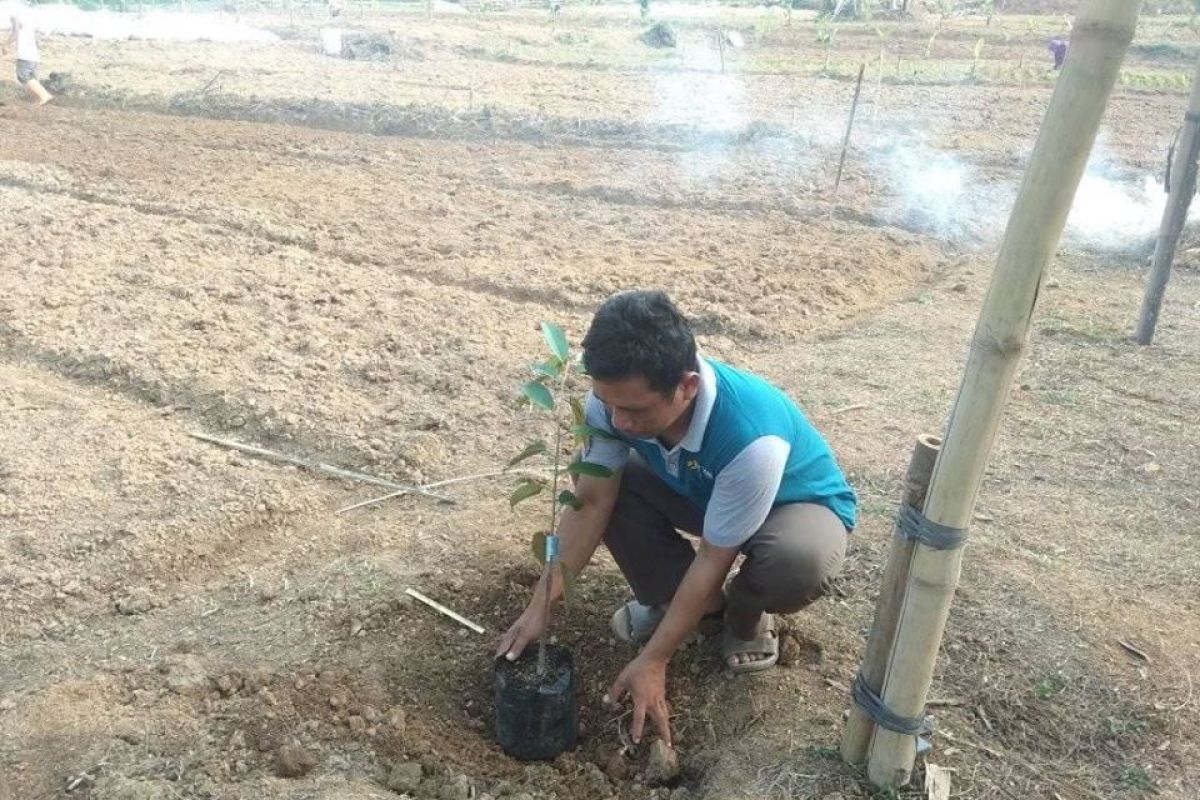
660	35
294	761
59	83
366	46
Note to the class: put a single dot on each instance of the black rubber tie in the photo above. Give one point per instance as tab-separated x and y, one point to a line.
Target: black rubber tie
873	706
915	526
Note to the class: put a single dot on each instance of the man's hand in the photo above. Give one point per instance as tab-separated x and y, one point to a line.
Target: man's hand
526	629
644	680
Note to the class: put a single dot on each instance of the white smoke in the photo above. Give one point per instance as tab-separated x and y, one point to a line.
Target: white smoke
938	193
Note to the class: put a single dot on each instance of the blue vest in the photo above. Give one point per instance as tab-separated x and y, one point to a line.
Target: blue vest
747	408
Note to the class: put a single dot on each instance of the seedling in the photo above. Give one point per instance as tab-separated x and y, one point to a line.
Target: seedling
553	389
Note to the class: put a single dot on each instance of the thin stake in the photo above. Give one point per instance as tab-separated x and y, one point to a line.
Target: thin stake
1182	187
849	127
317	466
438	484
721	48
436	606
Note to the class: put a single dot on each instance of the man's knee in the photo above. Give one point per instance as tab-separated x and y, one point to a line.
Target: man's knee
796	563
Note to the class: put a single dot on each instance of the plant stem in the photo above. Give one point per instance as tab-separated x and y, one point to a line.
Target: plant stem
548	572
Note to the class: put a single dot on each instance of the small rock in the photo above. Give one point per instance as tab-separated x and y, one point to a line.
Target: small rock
185	674
405	777
136	602
238	740
127	732
662	766
617	768
293	761
397	720
457	789
681	794
229	684
959	287
7	705
357	724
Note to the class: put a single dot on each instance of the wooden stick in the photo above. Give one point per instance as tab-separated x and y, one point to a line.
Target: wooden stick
856	737
436	606
849	408
317	466
1101	35
437	484
1183	187
849	127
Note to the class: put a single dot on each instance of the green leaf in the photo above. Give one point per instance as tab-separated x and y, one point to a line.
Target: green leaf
556	340
538	395
538	545
588	468
578	417
567	498
532	449
548	369
526	490
590	432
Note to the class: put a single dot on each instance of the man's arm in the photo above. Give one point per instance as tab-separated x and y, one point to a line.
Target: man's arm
742	497
696	595
645	678
581	532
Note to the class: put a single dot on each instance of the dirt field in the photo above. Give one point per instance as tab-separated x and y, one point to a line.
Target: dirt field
347	261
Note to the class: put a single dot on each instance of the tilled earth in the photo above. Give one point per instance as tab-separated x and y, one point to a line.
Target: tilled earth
180	620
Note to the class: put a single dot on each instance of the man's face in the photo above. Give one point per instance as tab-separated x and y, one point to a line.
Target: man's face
640	412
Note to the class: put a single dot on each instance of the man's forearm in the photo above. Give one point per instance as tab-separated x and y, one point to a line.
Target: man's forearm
580	532
702	581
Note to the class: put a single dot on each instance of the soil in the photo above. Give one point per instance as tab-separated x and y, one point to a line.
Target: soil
347	261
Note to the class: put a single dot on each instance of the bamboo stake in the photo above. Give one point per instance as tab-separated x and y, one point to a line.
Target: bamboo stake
849	127
856	737
317	466
1100	36
1183	187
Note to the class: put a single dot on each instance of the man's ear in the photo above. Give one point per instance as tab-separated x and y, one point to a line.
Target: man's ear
689	385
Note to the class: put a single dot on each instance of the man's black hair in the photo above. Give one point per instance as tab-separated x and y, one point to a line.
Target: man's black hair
640	333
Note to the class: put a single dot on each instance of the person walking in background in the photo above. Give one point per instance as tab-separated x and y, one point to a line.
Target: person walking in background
24	36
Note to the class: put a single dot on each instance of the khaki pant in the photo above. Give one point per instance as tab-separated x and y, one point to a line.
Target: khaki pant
789	562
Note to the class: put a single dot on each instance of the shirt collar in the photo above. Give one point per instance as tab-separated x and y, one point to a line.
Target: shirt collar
706	397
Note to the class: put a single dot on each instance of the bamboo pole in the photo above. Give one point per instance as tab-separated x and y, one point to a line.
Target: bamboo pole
1102	32
849	126
856	737
1182	189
